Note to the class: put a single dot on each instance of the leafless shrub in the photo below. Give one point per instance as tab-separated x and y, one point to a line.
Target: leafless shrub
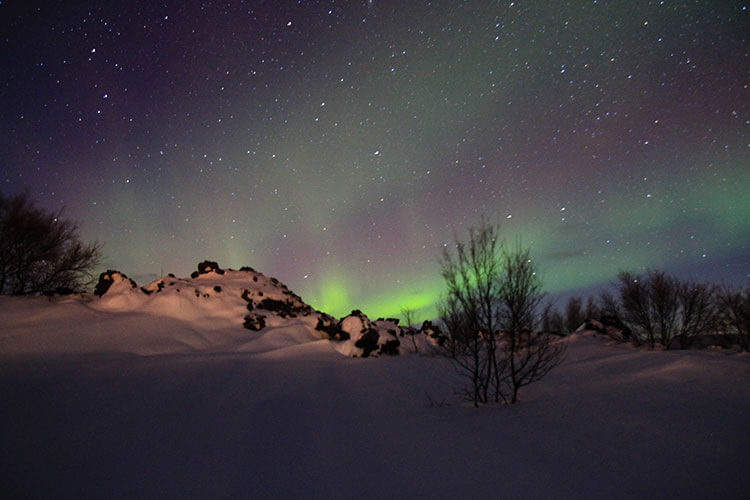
659	307
409	331
635	307
592	309
40	252
527	356
489	314
551	320
698	311
469	312
574	316
735	313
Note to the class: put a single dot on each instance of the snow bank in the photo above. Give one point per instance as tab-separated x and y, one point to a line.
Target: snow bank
295	419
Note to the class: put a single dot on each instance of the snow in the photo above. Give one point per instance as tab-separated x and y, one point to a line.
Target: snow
167	396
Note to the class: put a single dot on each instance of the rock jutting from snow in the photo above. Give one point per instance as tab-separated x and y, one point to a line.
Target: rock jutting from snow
111	277
259	303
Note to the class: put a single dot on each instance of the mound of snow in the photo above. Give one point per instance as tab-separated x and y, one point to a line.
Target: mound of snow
212	298
215	309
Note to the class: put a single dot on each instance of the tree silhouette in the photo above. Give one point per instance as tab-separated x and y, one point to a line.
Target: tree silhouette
489	313
40	252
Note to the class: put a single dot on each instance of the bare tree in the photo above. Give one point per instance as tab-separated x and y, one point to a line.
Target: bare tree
609	306
489	314
664	305
660	307
40	252
408	315
466	349
574	314
552	320
472	277
528	355
698	311
592	310
635	307
735	313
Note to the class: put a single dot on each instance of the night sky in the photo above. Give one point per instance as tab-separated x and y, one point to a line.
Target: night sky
339	145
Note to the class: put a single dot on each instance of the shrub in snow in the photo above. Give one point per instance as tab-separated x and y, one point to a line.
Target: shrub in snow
247	269
108	278
735	314
489	313
255	322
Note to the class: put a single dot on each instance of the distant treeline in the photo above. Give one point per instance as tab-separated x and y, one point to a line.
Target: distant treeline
659	310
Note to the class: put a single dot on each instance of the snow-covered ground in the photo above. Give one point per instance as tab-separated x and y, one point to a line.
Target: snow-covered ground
127	397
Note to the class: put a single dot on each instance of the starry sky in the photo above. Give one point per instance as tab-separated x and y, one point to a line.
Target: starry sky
340	145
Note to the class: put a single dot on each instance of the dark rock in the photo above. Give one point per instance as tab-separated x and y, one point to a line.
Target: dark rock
208	266
328	325
434	332
594	326
368	342
284	309
217	289
149	291
255	322
390	347
107	278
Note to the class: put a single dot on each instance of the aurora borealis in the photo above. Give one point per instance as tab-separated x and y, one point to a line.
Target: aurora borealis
340	145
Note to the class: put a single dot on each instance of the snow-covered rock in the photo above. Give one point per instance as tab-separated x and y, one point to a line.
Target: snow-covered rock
226	309
114	281
367	338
